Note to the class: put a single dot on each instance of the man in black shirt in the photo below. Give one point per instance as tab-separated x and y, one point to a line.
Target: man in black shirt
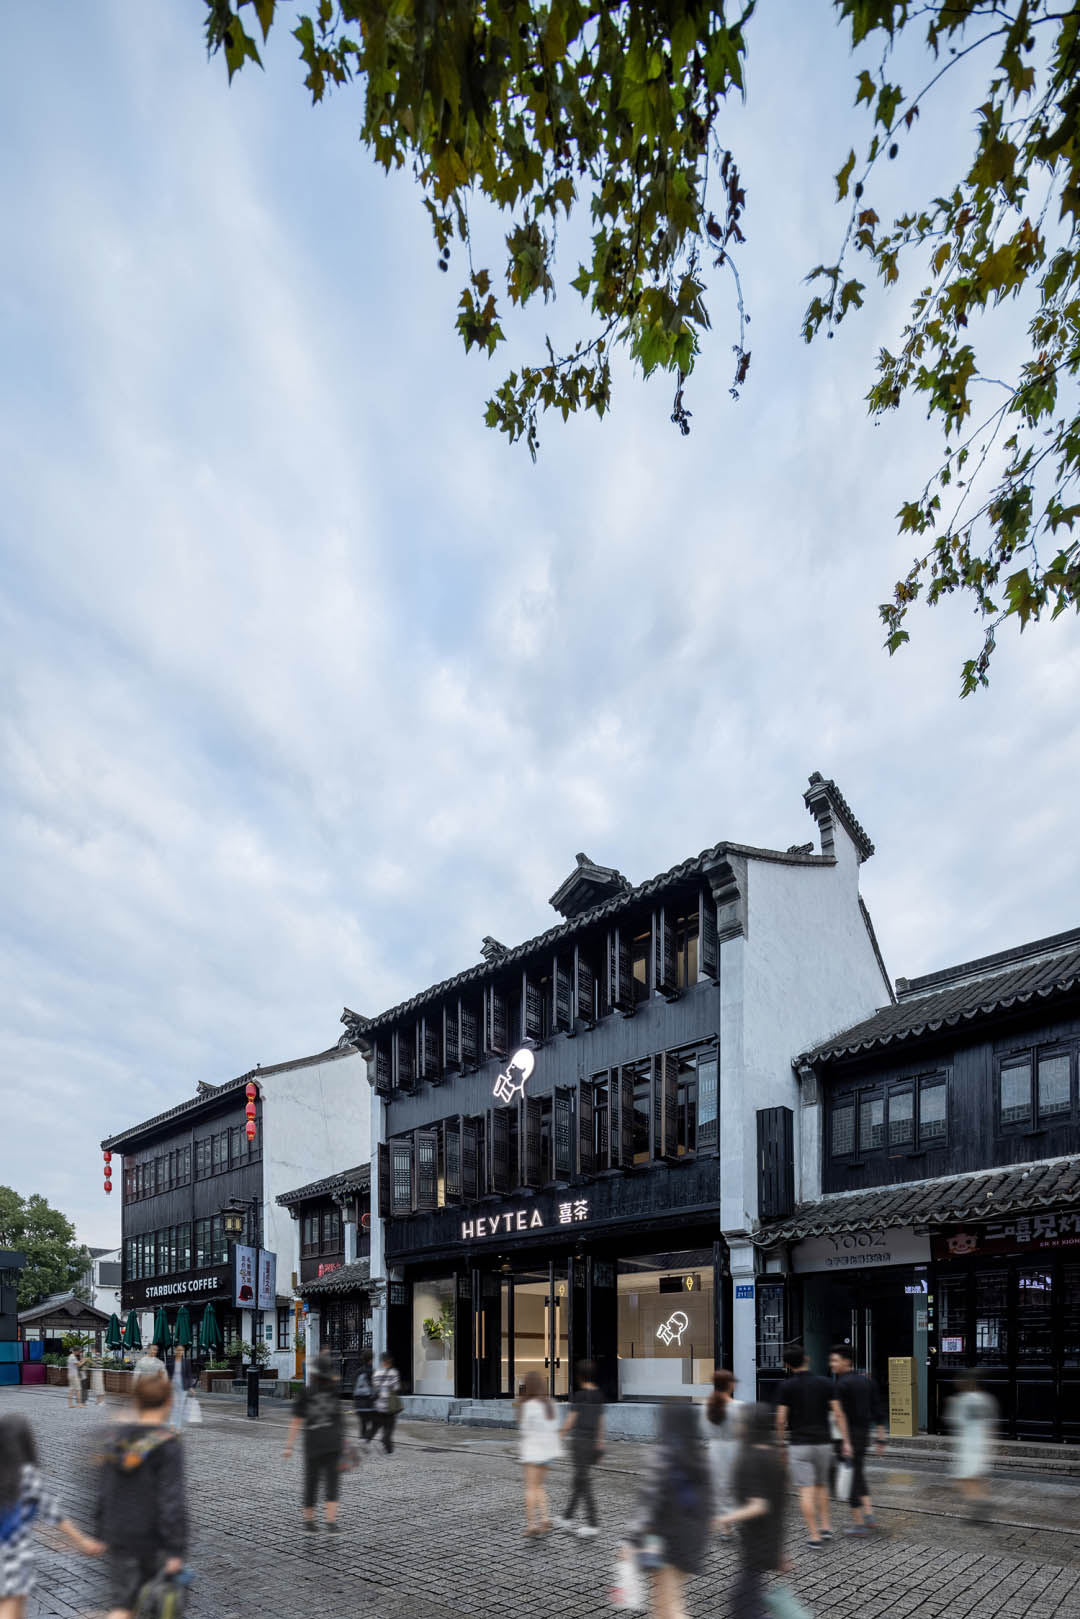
803	1408
759	1485
585	1427
861	1401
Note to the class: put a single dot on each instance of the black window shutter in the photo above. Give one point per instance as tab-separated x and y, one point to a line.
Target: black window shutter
401	1177
469	1190
584	988
564	994
708	1104
669	1105
603	1121
384	1068
499	1135
585	1131
562	1135
452	1159
776	1162
494	1022
427	1170
469	1047
707	940
405	1058
430	1053
665	961
615	1092
532	1009
529	1131
451	1034
620	970
626	1117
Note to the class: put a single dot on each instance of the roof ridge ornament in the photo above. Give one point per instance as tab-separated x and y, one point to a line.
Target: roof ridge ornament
828	805
587	885
491	949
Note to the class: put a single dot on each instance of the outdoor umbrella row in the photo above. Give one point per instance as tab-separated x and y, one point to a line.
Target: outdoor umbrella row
131	1338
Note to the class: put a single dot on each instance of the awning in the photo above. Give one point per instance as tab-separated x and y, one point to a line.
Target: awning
345	1279
951	1199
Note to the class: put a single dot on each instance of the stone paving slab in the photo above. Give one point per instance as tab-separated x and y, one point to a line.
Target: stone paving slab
434	1532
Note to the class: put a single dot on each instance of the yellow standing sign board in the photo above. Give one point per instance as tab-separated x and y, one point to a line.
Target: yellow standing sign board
903	1396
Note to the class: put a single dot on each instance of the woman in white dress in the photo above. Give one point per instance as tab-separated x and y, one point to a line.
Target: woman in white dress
539	1445
97	1380
74	1371
971	1417
723	1413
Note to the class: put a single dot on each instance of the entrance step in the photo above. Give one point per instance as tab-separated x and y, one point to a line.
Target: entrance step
482	1414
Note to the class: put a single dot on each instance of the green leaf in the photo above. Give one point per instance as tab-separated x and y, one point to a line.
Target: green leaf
844	176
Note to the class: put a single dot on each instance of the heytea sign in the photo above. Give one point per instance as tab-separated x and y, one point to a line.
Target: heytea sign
498	1225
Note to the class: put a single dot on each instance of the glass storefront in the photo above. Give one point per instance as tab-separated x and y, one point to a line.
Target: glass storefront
666	1325
433	1337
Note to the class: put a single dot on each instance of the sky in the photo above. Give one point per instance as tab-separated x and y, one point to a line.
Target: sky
308	681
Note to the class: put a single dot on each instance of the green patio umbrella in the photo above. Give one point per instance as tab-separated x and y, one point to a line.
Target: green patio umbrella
114	1333
209	1332
132	1335
182	1331
162	1335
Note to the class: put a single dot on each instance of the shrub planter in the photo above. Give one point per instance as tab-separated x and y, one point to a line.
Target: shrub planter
56	1375
217	1382
117	1381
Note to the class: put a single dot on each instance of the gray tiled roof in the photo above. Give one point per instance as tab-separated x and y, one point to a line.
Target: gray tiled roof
950	1200
347	1180
1041	971
346	1279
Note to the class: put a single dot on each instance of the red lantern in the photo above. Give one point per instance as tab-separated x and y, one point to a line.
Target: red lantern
250	1129
251	1090
108	1157
108	1186
108	1173
250	1110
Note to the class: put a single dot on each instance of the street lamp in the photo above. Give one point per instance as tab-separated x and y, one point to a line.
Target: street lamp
235	1216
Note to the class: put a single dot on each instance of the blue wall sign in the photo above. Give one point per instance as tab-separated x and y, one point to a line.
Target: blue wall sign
744	1290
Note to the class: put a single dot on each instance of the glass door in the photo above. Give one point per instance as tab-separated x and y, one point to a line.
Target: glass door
536	1320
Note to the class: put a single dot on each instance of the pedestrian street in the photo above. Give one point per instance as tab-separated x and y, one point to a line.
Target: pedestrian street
434	1532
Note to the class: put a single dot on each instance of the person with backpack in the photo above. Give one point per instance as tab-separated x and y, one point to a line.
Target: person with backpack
671	1528
759	1486
538	1446
386	1385
317	1410
585	1429
861	1400
804	1404
24	1502
364	1399
141	1511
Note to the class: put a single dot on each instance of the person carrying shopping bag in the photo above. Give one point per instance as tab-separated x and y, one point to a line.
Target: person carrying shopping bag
538	1446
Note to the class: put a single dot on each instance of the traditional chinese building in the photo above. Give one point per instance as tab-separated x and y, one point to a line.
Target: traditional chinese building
941	1182
580	1134
331	1254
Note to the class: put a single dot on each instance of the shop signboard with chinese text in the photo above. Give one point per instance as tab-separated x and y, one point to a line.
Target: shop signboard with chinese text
854	1251
1019	1231
533	1217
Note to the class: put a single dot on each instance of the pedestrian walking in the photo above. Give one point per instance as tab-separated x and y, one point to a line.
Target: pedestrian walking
386	1385
675	1510
759	1487
971	1418
364	1399
538	1446
148	1365
24	1501
74	1378
142	1505
723	1421
317	1410
182	1381
861	1399
97	1380
585	1429
803	1406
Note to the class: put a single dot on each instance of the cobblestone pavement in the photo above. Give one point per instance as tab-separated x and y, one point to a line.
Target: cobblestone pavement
434	1532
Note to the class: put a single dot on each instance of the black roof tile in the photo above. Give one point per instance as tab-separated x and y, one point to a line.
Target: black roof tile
345	1181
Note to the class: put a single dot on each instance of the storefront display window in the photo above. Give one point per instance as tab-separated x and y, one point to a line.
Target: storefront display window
666	1325
433	1337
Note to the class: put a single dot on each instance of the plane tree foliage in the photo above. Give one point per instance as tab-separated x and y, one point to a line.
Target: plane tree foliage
613	111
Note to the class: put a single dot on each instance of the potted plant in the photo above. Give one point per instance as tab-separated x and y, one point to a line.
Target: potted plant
439	1333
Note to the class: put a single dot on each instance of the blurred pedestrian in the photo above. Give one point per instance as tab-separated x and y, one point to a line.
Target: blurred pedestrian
723	1422
386	1385
538	1446
671	1528
803	1406
74	1377
24	1500
585	1429
971	1417
148	1364
182	1381
317	1410
759	1486
861	1399
142	1503
364	1399
97	1380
